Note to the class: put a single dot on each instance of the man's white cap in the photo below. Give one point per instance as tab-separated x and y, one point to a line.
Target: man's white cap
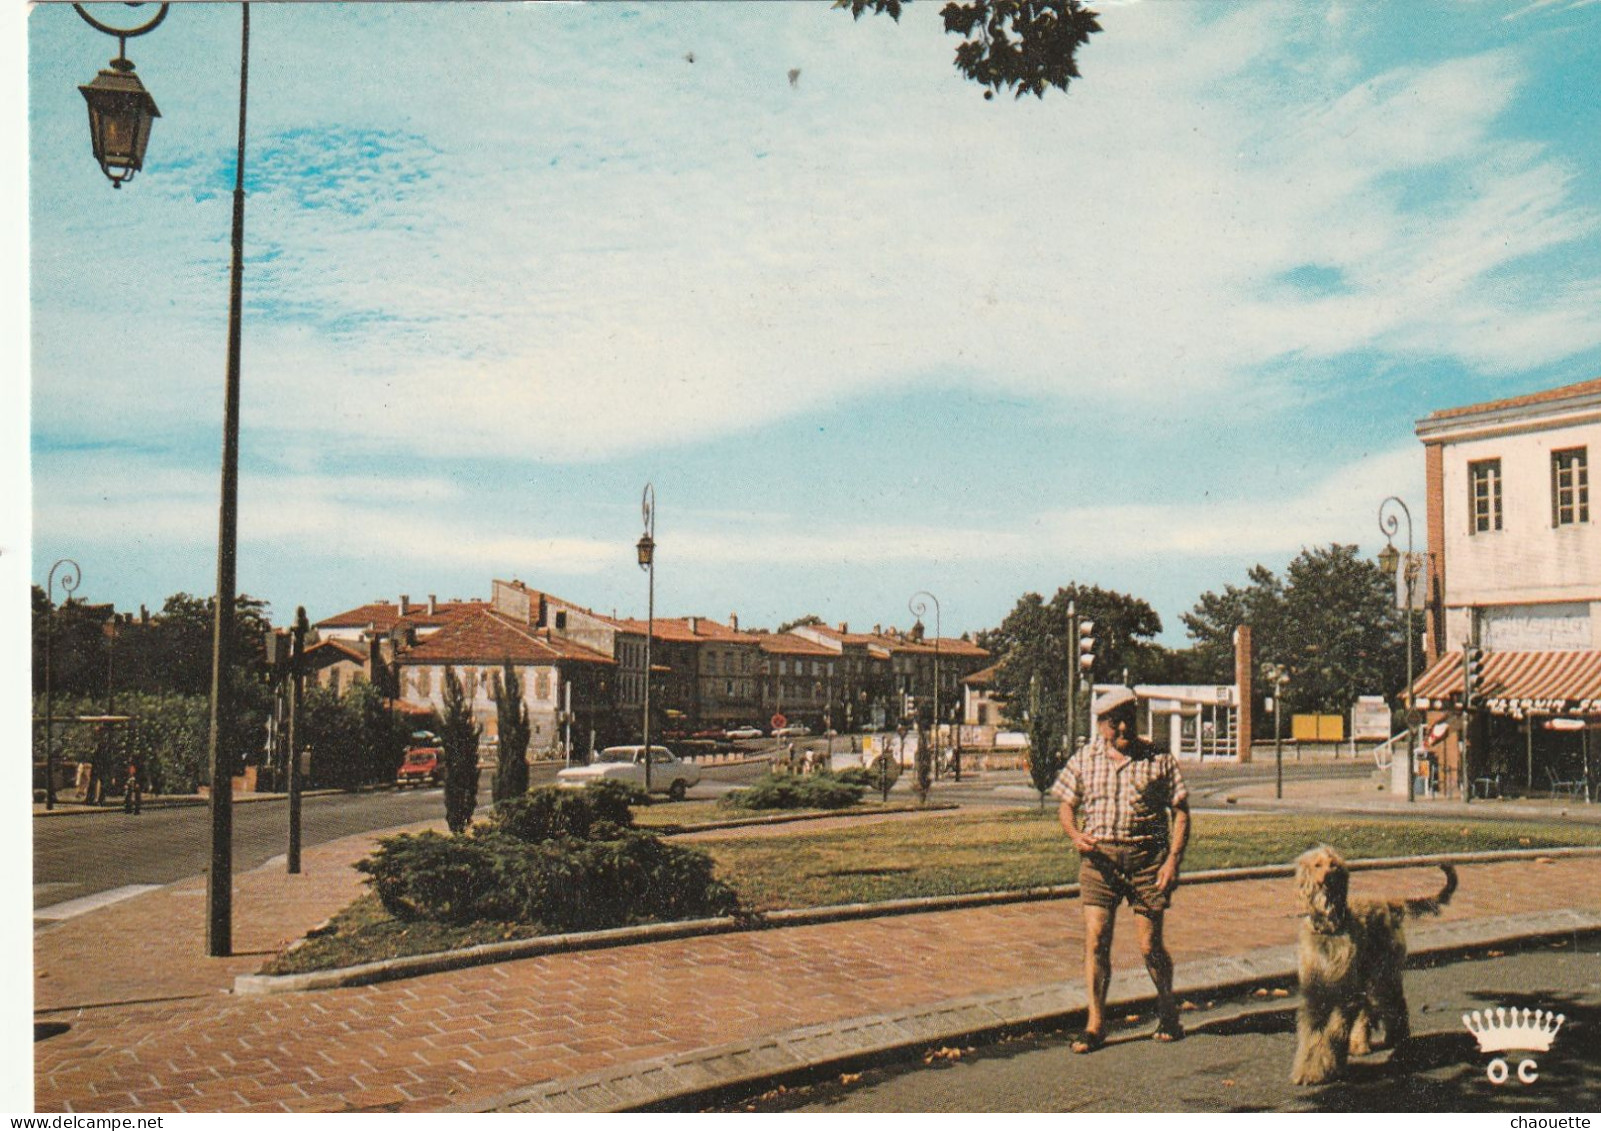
1109	701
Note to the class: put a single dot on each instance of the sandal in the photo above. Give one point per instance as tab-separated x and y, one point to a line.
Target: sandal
1088	1041
1168	1031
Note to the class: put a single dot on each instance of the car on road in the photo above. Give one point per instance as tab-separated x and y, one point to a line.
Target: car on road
669	774
423	763
793	730
746	731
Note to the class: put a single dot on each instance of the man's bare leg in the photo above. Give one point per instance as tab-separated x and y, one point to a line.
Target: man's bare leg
1159	964
1097	966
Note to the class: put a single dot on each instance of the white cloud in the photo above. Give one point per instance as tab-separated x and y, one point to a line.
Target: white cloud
697	249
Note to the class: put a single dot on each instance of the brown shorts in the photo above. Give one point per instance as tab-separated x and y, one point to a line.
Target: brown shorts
1117	872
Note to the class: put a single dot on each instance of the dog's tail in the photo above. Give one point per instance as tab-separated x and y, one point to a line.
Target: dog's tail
1431	905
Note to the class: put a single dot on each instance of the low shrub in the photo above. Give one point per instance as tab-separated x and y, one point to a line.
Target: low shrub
450	879
562	884
549	813
859	776
788	791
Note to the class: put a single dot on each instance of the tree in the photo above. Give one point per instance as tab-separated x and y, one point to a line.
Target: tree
459	736
1331	621
1024	45
511	713
1045	754
800	622
1035	652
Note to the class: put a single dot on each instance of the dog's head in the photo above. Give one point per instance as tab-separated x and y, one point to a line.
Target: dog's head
1322	880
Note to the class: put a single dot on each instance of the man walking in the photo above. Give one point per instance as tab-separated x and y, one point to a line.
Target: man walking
1118	794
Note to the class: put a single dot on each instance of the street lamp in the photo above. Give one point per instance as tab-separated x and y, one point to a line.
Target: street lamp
119	120
1388	560
69	586
120	109
1277	676
647	562
919	609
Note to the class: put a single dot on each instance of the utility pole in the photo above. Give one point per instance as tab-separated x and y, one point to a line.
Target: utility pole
1072	676
297	651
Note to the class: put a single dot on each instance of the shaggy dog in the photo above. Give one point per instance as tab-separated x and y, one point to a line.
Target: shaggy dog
1351	956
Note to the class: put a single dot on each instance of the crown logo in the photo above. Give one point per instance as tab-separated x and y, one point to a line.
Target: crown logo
1505	1029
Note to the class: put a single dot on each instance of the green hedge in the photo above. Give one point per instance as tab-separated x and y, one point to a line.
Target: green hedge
551	812
566	860
790	791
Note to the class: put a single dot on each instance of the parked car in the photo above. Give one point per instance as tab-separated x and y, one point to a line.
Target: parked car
423	764
668	773
793	730
746	731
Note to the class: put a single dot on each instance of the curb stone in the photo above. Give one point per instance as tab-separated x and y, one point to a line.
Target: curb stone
411	966
679	1078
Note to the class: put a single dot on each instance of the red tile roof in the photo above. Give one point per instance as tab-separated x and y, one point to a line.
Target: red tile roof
788	644
1583	388
677	629
384	616
984	676
351	651
482	636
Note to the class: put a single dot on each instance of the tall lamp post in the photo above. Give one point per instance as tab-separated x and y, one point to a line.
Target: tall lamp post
647	562
69	585
120	114
1276	676
919	609
1389	558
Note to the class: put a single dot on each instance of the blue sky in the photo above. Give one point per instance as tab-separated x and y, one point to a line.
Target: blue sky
867	333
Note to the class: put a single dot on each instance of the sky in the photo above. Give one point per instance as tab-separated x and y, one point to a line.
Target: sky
865	332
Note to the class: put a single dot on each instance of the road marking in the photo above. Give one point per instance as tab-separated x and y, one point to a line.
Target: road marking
87	903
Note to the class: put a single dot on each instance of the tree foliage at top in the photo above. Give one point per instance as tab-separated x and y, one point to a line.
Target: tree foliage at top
459	735
800	622
1022	45
1035	651
511	716
1331	620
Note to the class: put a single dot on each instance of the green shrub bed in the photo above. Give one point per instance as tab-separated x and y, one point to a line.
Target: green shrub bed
790	791
564	860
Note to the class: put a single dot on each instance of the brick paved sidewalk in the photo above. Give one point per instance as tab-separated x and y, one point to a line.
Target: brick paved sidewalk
152	946
470	1035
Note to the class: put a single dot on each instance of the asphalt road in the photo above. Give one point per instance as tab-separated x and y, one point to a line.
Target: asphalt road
1237	1057
84	854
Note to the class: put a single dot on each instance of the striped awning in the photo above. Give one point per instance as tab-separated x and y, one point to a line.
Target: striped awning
1519	683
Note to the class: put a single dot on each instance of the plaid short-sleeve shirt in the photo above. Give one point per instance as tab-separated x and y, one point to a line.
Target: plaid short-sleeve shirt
1124	802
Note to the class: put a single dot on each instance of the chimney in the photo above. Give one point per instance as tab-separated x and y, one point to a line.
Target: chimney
733	621
878	630
144	615
433	605
844	628
694	626
405	604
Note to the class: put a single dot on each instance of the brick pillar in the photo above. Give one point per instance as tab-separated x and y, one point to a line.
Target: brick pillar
1244	690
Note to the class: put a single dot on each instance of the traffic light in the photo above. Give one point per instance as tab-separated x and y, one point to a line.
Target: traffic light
1472	677
1086	645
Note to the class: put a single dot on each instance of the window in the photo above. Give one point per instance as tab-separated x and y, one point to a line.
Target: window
1484	496
1570	487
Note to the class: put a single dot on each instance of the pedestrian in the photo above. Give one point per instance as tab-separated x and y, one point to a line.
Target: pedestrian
1126	810
133	797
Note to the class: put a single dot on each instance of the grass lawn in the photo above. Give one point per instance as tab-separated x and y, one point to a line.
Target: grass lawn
994	850
687	814
1014	849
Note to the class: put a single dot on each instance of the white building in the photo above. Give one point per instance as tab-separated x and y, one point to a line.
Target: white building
1514	567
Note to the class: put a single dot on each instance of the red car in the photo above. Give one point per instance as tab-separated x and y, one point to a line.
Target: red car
422	763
